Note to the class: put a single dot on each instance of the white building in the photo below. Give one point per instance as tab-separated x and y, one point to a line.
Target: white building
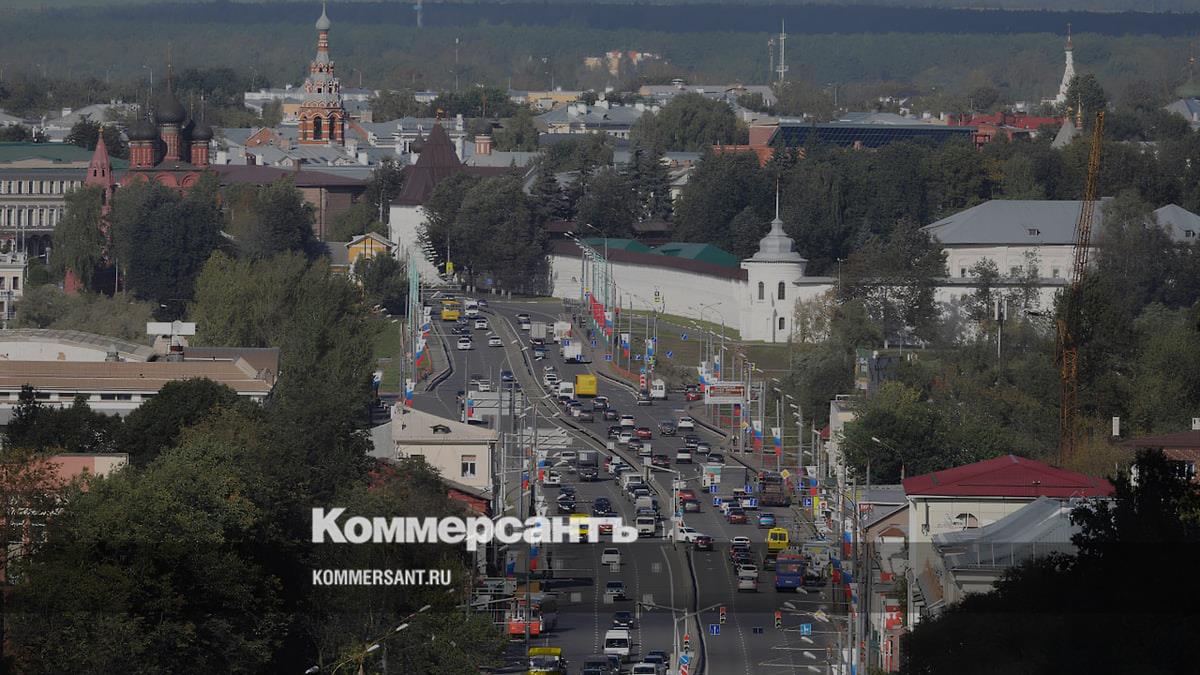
773	279
461	453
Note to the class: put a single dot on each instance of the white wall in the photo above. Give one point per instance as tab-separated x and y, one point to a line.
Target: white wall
402	230
1050	258
682	292
760	318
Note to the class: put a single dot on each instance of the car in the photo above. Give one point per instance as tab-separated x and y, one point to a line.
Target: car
625	437
567	489
537	342
716	458
685	493
644	668
702	448
585	416
691	505
482	302
644	398
703	543
643	433
550	369
481	324
601	507
611	415
657	657
617	642
644	449
666	428
605	528
766	520
464	343
691	441
568	455
600	403
742	559
661	461
736	516
687	534
683	456
539	353
506	376
628	421
740	541
589	474
622	619
615	590
495	341
566	506
552	479
693	396
747	569
550	380
614	432
747	583
685	423
610	556
526	326
522	317
638	493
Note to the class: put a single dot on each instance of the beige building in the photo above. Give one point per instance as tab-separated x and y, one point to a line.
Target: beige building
461	453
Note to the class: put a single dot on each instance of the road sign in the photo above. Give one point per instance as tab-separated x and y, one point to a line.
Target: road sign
685	659
683	336
752	502
593	344
670	355
565	342
806	629
714	629
785	473
716	500
608	357
749	488
712	489
808	502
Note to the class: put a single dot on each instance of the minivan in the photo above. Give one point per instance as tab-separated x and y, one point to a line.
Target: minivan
618	642
646	525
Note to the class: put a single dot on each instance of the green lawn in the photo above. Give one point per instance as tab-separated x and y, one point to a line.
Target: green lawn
387	352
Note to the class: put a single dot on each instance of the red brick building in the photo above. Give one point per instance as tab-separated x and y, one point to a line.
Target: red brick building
322	115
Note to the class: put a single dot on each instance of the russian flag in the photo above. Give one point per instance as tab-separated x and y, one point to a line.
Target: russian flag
408	393
717	368
758	436
524	480
420	351
470	408
777	436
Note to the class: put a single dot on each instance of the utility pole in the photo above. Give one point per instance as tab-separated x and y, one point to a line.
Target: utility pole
782	67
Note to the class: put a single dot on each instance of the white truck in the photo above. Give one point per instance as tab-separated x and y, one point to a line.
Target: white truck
538	330
658	389
562	329
573	353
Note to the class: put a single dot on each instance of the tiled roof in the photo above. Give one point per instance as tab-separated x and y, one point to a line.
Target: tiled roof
696	251
1007	476
437	162
1179	440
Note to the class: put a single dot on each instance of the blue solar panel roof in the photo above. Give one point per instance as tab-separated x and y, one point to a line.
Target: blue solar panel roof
867	135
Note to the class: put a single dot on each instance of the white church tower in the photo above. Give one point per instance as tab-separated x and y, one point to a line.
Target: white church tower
1068	71
771	275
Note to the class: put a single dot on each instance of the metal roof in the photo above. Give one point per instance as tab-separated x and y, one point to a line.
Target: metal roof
1041	527
868	135
1038	222
127	349
1007	476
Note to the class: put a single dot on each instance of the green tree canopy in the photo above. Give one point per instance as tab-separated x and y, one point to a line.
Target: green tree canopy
610	204
518	132
281	221
157	424
78	241
690	122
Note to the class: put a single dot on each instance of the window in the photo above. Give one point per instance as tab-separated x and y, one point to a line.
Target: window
1189	234
781	323
317	128
2	284
761	291
966	521
440	429
16	284
1014	271
782	287
1055	272
468	466
962	272
1033	231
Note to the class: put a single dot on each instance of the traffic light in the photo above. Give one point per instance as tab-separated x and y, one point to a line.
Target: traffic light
687	642
778	619
722	613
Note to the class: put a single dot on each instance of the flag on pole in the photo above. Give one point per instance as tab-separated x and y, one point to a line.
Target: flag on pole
717	368
758	435
409	385
777	436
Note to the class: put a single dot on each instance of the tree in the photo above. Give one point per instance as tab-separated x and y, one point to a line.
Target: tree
545	196
438	231
498	235
157	424
753	101
162	240
15	133
986	275
518	132
982	99
51	429
1084	94
651	183
358	219
800	98
580	152
391	105
281	222
384	281
78	240
119	316
609	204
690	122
86	134
720	188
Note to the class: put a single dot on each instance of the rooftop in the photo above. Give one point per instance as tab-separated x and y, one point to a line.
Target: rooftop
1007	476
49	155
1042	221
127	376
126	349
1177	441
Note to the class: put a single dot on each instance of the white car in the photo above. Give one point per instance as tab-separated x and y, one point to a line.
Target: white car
617	643
495	341
481	324
687	534
747	571
644	669
484	385
568	455
464	343
552	479
550	380
747	583
628	421
610	556
740	540
685	423
624	438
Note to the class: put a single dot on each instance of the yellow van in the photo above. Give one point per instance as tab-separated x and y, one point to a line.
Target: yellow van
777	539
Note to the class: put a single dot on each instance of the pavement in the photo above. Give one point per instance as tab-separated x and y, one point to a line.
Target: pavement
671	589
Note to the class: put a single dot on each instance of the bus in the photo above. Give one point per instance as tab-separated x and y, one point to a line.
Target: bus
542	618
451	309
777	539
546	661
789	571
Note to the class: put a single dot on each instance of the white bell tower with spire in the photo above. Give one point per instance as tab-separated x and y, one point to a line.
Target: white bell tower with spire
771	276
1068	70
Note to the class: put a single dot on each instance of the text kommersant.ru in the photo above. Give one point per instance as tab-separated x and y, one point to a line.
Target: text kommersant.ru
471	531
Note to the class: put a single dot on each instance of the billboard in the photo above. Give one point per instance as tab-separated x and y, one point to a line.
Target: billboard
722	393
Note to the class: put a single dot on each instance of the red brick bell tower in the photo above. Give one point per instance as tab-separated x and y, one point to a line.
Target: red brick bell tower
322	115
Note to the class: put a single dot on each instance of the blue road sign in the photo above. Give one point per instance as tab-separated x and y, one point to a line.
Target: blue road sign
685	659
637	357
714	629
566	342
716	500
593	344
683	336
806	629
749	488
808	502
670	355
712	489
753	502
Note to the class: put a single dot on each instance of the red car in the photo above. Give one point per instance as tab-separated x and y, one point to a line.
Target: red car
643	433
661	461
685	495
693	396
605	528
736	517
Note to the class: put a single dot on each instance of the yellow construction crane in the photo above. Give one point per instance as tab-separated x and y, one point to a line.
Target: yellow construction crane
1067	352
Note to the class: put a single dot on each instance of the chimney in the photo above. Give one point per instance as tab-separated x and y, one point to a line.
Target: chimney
483	144
458	122
1196	424
1116	427
112	355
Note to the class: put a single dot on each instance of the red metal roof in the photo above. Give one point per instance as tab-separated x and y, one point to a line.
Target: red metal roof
1007	476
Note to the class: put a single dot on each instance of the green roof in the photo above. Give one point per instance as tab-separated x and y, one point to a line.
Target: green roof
701	252
599	244
53	153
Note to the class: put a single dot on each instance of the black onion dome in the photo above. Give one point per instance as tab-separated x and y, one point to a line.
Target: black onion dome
203	132
142	130
169	110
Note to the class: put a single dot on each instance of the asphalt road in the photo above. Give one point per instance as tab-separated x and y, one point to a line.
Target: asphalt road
658	574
